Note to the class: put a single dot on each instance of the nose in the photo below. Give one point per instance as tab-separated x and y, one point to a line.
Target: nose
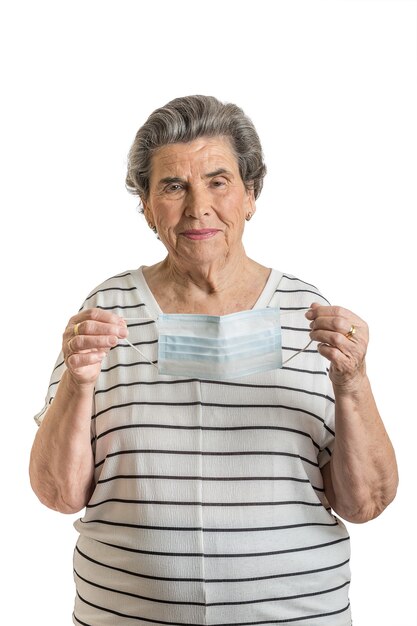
197	202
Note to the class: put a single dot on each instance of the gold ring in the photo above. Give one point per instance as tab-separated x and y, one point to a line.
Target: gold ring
351	332
75	329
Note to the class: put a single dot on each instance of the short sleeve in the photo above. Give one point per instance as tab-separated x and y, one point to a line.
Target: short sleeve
327	443
56	375
54	381
92	300
95	298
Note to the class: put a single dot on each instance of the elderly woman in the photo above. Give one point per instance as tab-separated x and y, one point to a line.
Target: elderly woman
213	446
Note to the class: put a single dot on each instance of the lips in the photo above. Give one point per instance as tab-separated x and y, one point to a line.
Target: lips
203	233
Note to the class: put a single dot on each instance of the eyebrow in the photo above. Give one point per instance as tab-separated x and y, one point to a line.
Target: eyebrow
177	179
170	179
218	172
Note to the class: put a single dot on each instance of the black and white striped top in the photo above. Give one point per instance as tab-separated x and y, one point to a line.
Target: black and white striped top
209	505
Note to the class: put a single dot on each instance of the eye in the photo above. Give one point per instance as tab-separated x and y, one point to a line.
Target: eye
218	182
173	188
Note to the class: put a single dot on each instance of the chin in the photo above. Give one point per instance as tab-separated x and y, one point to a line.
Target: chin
203	254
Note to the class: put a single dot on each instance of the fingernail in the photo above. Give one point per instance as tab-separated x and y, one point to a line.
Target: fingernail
309	314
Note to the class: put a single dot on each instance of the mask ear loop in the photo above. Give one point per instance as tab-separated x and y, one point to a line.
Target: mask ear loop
141	319
299	352
307	308
141	353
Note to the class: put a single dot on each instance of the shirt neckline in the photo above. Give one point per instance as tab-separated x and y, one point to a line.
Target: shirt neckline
155	310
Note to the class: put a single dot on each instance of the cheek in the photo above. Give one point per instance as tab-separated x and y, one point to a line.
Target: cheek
166	226
166	216
234	215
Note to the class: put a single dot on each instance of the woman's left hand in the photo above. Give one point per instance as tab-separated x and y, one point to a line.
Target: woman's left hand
343	339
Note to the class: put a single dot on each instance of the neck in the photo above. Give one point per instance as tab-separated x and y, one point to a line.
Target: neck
182	288
210	279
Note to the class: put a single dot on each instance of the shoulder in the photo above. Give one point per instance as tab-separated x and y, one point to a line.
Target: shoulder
296	291
118	291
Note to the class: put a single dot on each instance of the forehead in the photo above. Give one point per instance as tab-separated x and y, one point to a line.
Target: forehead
182	159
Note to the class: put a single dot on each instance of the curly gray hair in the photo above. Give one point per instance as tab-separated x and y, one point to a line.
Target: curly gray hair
184	119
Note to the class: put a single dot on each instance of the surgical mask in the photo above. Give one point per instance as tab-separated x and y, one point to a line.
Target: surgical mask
219	347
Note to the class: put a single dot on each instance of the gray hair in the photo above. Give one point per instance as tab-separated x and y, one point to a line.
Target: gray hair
184	119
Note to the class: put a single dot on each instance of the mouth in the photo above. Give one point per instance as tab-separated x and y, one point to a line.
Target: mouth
203	233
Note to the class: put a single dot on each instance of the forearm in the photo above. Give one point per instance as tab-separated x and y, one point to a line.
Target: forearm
61	463
363	471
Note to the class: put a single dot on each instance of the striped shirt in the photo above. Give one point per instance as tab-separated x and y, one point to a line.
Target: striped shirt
208	505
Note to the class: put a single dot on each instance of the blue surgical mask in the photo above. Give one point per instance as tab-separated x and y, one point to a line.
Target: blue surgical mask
215	347
219	347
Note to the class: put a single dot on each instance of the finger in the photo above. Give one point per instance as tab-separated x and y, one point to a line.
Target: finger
97	315
318	310
340	325
80	343
83	359
95	328
335	340
95	321
339	360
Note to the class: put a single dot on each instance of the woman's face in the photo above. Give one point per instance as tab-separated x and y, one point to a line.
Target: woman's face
197	200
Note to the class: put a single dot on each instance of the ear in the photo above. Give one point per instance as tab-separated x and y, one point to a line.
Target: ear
250	204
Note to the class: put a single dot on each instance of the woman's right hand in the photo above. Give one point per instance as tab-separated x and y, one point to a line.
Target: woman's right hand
87	339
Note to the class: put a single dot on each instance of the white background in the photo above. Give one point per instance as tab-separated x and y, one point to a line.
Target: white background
331	86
